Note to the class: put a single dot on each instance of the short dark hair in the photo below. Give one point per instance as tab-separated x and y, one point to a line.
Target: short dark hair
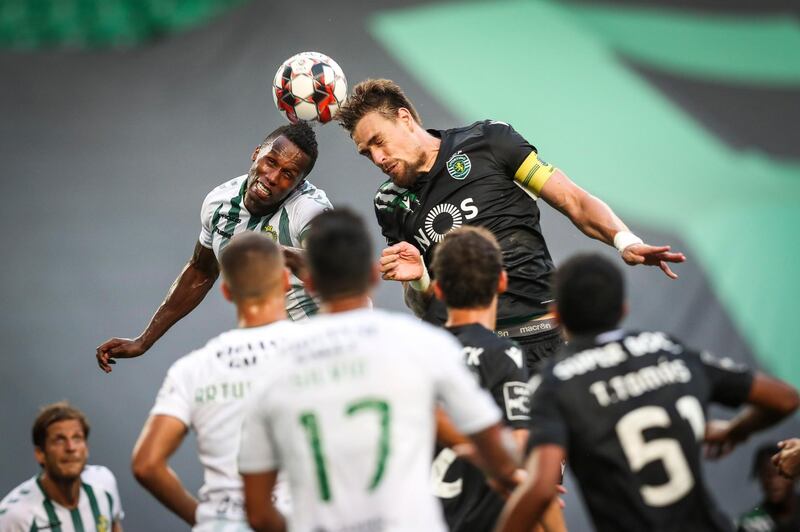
762	456
339	253
381	95
53	413
301	135
251	264
590	294
467	265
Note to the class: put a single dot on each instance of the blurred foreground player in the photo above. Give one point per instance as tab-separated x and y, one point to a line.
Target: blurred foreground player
787	460
206	391
348	409
628	410
67	495
468	267
272	198
779	511
483	174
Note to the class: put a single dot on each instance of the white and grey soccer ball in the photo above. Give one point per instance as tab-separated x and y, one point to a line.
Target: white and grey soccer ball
309	86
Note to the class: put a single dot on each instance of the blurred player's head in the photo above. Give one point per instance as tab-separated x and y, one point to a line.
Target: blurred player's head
339	254
776	488
280	164
60	434
468	269
386	129
590	294
253	269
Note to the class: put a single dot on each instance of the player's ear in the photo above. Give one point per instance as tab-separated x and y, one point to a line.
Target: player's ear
286	276
38	454
405	117
255	154
308	284
226	291
437	290
624	311
375	276
502	282
552	308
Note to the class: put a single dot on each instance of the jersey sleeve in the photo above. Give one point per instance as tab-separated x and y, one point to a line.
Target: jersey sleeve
206	214
14	517
469	406
547	424
313	203
257	449
509	387
730	382
517	158
174	397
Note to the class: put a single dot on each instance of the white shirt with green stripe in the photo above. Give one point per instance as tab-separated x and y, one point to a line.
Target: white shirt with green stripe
224	215
27	508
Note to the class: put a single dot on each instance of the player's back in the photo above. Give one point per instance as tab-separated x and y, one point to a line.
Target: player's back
350	416
207	390
632	416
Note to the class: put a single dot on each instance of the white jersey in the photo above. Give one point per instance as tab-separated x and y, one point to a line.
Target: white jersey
206	390
28	508
224	215
348	412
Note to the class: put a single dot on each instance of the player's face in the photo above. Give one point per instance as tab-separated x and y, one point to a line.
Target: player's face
776	488
65	450
391	146
277	169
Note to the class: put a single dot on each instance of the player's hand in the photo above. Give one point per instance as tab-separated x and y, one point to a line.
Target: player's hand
718	439
652	256
788	459
118	348
401	262
295	260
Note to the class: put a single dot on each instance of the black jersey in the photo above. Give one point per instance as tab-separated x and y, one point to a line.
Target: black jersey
472	183
468	502
630	411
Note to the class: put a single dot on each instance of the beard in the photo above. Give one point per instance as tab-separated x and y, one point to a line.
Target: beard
407	173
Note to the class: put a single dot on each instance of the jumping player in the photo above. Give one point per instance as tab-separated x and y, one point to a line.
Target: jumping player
484	174
348	412
206	391
274	198
628	409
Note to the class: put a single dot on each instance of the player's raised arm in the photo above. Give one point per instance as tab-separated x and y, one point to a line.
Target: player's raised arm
596	220
188	290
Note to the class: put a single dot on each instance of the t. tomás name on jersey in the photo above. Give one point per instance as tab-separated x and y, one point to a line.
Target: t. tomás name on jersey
207	390
28	508
472	183
469	504
224	215
630	411
350	416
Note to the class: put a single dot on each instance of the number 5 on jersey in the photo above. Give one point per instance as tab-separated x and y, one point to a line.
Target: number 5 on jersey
309	422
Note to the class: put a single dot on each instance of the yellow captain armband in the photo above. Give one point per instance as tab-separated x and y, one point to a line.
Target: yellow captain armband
533	173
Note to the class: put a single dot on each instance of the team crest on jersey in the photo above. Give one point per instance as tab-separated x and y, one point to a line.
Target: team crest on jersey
271	232
102	524
459	165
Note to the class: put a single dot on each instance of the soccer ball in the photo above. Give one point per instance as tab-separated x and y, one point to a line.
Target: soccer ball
309	86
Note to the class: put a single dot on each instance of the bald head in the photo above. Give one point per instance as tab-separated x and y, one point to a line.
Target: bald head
252	267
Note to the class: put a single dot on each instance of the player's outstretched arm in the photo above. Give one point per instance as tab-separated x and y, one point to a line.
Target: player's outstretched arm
531	499
261	512
160	438
769	401
496	448
188	290
403	262
596	220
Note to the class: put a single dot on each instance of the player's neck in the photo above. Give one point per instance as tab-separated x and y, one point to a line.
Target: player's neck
345	304
487	317
430	146
259	313
64	492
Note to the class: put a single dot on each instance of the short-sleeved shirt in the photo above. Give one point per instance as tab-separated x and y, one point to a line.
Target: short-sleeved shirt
472	183
469	504
224	215
629	408
27	507
207	391
350	417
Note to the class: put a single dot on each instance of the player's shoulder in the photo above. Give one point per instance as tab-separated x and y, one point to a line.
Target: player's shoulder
500	351
99	476
388	195
222	193
15	507
481	128
309	195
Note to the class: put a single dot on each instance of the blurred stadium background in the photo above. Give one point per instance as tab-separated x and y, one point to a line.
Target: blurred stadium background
118	116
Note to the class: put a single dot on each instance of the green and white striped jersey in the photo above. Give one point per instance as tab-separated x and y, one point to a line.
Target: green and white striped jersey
224	215
27	508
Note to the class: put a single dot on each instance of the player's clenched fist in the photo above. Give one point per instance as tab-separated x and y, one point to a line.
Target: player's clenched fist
118	348
788	459
402	262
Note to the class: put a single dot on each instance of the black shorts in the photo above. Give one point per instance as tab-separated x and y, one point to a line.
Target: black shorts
539	347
